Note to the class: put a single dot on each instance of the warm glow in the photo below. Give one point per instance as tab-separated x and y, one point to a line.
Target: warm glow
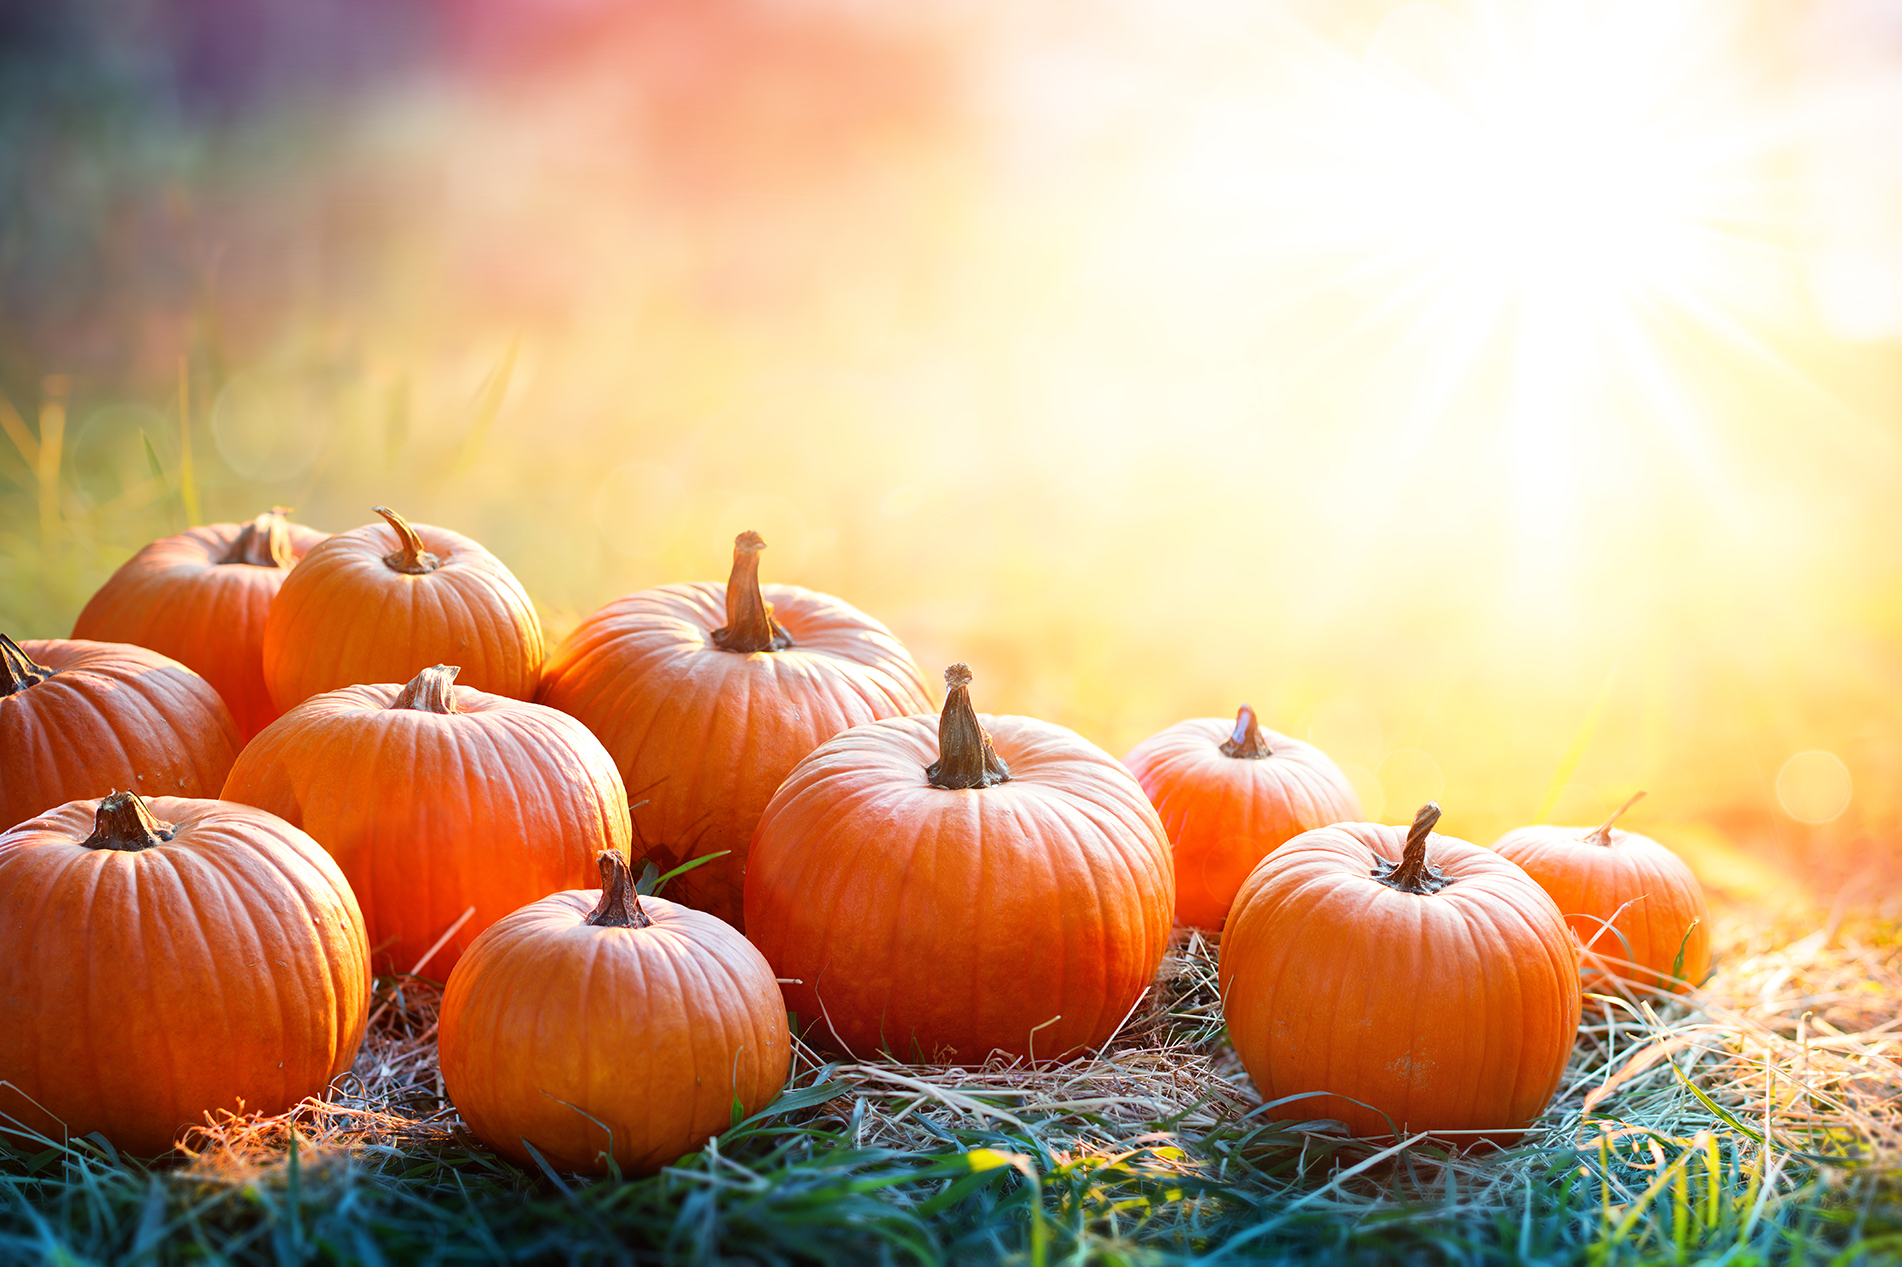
1526	205
1474	388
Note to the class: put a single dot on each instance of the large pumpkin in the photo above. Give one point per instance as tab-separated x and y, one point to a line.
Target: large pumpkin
1399	981
167	959
434	798
382	603
942	888
591	1024
79	719
201	597
708	695
1228	795
1636	907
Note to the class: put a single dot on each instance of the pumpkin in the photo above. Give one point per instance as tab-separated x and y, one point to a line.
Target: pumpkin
1636	907
79	719
163	960
201	598
708	695
592	1025
382	603
1399	980
1228	796
434	798
942	888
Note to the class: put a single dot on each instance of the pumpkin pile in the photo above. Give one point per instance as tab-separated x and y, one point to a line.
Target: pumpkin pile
358	761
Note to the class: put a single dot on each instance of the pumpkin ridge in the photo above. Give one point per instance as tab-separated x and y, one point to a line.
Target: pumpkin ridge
179	871
1102	929
281	989
683	965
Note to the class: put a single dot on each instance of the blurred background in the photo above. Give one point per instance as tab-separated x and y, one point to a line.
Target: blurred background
1503	394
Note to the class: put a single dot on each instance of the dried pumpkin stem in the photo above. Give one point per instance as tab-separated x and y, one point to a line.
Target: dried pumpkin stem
1414	874
620	904
431	691
264	542
411	558
1603	835
966	758
1247	742
749	617
17	669
124	822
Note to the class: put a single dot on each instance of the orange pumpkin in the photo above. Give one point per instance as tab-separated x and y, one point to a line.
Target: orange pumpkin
380	604
434	798
1636	907
942	888
1230	795
1399	981
591	1024
167	959
78	719
201	597
708	695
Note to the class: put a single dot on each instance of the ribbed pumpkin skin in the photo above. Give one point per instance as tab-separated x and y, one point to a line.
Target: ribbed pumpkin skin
654	1031
705	736
344	617
1590	882
938	924
113	716
176	598
1225	814
1452	1011
495	806
223	969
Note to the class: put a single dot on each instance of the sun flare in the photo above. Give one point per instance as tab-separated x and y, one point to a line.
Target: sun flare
1524	208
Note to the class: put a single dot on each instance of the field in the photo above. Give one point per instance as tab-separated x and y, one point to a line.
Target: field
1499	395
1758	1125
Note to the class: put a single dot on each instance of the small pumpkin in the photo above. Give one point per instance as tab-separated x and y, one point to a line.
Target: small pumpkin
167	959
1636	907
201	597
434	798
79	719
1228	796
942	888
592	1024
1399	980
383	602
708	695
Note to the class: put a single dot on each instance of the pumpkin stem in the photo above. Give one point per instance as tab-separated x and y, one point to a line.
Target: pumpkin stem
431	691
620	904
124	822
412	558
966	758
1247	741
17	671
749	617
1603	835
265	542
1414	874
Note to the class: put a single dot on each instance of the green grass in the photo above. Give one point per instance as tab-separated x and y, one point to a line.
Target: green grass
903	1164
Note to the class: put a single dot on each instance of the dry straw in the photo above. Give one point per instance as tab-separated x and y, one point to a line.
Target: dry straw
1778	1077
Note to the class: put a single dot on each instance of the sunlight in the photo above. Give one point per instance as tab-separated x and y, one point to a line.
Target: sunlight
1524	204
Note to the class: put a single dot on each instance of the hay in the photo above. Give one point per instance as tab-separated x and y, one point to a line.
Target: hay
1785	1062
